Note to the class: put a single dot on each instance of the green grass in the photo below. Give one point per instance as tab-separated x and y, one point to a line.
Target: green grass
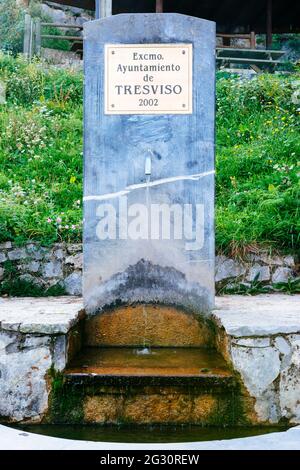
257	188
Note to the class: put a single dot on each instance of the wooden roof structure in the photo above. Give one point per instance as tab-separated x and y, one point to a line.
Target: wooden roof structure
231	16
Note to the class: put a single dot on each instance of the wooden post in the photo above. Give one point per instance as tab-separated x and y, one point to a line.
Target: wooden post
38	37
252	40
31	45
27	36
269	25
105	8
97	9
159	6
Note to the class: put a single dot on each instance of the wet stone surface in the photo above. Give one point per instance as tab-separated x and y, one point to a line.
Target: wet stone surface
179	362
147	325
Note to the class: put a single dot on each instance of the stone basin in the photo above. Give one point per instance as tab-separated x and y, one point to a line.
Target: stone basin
147	386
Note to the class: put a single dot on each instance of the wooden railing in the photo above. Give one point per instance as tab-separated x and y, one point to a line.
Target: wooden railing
227	38
33	35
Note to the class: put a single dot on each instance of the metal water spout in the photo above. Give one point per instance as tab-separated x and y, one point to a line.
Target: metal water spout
148	165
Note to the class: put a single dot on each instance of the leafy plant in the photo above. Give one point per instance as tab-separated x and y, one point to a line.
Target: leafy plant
11	26
257	158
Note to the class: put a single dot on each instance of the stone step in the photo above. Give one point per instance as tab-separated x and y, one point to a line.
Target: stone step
156	366
138	386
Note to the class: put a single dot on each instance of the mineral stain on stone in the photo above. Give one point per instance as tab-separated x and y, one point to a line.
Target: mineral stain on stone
148	325
148	282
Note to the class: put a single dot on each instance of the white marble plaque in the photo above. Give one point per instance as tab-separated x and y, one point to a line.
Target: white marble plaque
148	78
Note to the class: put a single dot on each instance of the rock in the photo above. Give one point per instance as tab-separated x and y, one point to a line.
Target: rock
32	342
6	340
282	275
282	345
37	252
23	388
259	367
2	257
266	258
68	59
31	279
60	353
71	10
18	253
75	260
266	406
5	246
57	15
65	15
73	283
262	273
32	267
289	388
1	273
74	248
59	253
33	336
58	246
259	315
59	6
289	261
227	268
52	269
40	316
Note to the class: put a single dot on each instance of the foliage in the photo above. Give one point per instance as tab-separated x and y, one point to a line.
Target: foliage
256	287
12	27
40	153
258	146
258	168
288	42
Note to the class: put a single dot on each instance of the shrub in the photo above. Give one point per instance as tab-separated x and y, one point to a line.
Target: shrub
257	155
11	26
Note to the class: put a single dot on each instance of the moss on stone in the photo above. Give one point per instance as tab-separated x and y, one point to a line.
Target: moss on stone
65	403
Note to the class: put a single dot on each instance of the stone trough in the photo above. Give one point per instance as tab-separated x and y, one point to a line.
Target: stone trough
41	364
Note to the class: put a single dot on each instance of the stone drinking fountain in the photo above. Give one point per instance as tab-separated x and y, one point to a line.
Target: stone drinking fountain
149	346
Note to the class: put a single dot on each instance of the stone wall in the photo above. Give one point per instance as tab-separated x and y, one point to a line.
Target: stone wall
260	337
62	59
61	265
45	267
270	369
255	267
65	14
37	338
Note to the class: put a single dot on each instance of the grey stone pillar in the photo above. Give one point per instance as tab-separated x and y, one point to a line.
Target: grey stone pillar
143	163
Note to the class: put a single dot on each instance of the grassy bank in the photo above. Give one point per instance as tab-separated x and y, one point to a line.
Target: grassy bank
258	145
